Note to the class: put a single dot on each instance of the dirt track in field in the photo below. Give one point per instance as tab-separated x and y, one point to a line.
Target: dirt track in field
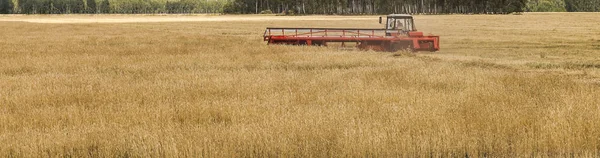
162	18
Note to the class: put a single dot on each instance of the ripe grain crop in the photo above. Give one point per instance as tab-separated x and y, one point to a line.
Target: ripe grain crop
502	86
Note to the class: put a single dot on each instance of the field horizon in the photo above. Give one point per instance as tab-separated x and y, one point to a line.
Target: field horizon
208	86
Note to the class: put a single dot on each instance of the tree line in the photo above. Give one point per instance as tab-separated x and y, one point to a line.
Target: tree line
294	6
110	6
563	5
377	6
410	6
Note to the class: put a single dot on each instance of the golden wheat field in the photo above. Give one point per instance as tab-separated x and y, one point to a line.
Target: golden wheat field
188	86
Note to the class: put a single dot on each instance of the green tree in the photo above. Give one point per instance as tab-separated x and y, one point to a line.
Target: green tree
28	6
582	5
78	6
546	6
104	6
6	6
91	6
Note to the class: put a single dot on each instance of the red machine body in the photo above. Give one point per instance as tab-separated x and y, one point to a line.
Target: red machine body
399	33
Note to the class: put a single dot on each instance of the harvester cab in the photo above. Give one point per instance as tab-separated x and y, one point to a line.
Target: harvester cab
398	24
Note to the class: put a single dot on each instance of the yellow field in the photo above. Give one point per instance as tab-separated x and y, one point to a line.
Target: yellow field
502	86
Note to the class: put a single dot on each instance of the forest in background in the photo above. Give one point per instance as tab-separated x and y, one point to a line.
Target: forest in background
294	6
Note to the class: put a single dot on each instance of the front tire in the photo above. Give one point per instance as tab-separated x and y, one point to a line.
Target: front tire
431	47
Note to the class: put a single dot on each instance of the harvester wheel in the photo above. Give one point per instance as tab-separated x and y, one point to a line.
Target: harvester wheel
317	43
431	47
411	48
401	46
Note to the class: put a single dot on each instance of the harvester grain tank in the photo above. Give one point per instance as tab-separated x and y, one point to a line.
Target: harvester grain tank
399	33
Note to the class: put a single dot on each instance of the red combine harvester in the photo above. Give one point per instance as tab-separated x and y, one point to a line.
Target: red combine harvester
399	33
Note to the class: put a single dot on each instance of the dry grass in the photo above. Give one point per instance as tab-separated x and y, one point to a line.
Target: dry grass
502	86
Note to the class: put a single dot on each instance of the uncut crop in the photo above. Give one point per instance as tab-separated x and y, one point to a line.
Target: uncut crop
502	86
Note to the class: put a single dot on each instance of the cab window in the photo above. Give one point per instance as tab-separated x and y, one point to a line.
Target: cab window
400	24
